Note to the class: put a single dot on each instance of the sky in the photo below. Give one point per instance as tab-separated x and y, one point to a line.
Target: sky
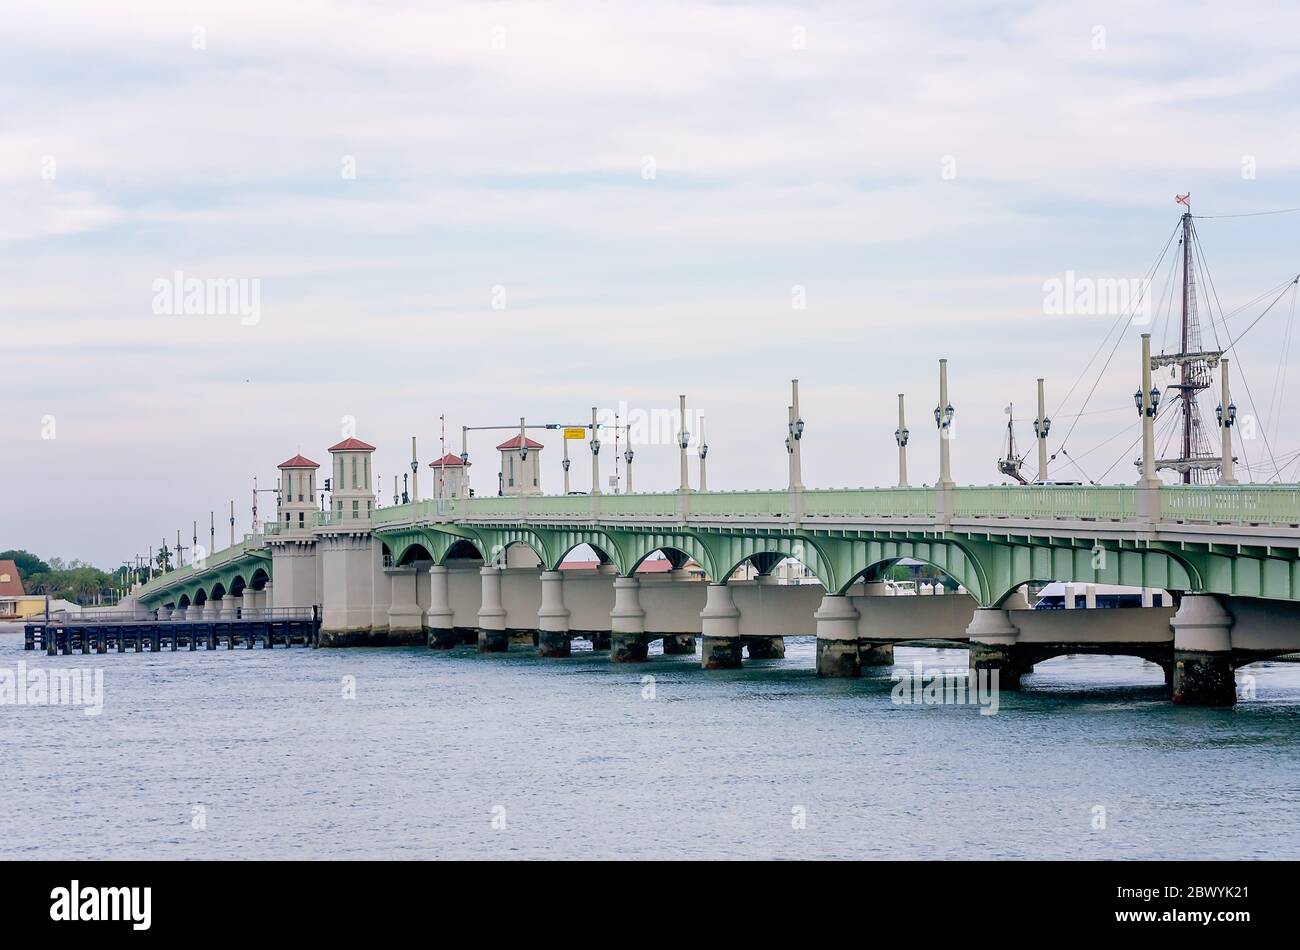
483	211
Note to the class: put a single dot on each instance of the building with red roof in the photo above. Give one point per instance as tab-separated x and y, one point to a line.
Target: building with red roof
521	466
451	477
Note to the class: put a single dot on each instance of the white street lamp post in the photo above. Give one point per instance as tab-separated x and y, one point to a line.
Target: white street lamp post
1227	415
943	421
683	439
1042	426
704	453
901	435
795	426
595	454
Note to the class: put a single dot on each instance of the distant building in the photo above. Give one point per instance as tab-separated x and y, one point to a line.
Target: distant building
648	566
11	589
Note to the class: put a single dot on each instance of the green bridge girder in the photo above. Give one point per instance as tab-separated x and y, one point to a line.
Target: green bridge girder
248	569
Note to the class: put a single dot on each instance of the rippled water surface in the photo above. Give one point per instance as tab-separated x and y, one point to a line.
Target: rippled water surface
577	763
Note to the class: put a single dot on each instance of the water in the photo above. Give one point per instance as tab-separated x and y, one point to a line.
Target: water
263	747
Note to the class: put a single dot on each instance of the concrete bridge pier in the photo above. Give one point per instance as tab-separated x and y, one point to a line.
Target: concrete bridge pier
875	654
763	648
405	617
248	604
227	607
442	619
993	646
758	648
837	637
264	600
348	581
679	644
627	639
720	622
492	634
553	618
1202	667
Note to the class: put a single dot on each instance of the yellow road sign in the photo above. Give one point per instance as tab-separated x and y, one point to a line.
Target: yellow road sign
575	432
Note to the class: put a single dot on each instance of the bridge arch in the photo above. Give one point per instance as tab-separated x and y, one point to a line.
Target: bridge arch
734	551
1105	562
640	547
462	549
874	571
495	542
855	557
440	542
411	553
606	546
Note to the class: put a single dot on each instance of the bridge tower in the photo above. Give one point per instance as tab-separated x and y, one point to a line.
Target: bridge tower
351	498
293	545
354	601
297	503
521	467
450	477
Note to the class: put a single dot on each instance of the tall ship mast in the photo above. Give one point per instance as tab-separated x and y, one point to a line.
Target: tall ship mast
1196	462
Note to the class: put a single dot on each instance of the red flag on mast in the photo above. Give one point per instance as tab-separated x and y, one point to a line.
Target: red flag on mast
1184	199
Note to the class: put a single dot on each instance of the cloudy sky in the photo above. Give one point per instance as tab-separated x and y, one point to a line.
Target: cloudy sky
488	210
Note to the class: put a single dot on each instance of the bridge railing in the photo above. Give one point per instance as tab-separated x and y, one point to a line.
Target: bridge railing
1071	502
1231	504
870	502
659	504
217	559
730	504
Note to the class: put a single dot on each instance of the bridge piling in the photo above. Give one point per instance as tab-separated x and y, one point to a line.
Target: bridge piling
492	634
875	654
442	619
993	646
681	644
760	648
553	639
720	621
837	638
1202	670
628	642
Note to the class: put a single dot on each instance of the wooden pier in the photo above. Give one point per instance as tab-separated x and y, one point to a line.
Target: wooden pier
271	628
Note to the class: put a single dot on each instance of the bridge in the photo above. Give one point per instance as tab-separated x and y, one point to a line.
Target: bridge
434	571
692	564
